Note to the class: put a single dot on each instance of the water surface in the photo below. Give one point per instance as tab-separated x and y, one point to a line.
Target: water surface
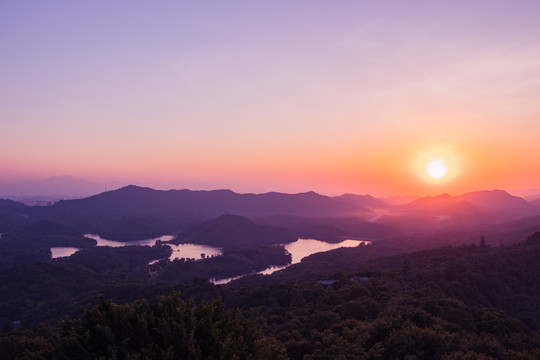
58	252
68	251
112	243
302	248
193	251
188	251
299	249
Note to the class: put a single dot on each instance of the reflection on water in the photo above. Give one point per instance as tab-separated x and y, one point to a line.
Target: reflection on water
68	251
305	247
146	242
273	269
224	281
193	251
63	251
188	251
300	249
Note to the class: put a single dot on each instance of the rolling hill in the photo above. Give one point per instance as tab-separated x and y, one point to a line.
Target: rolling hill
491	205
234	230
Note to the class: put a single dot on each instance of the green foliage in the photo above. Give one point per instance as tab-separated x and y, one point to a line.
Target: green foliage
170	328
32	243
13	257
235	231
12	214
26	345
138	228
46	291
459	304
233	262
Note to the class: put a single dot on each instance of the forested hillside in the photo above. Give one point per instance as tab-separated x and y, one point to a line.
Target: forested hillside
466	302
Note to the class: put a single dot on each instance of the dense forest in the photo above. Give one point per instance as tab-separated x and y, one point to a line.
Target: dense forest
465	302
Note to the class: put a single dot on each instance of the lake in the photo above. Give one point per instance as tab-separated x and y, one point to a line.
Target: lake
57	252
188	251
300	249
193	251
146	242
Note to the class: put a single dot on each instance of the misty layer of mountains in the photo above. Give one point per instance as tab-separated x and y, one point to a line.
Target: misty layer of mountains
135	212
56	187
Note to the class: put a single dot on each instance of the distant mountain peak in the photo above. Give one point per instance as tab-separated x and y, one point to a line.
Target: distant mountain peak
59	186
132	187
367	200
496	200
437	199
356	195
442	196
493	200
497	192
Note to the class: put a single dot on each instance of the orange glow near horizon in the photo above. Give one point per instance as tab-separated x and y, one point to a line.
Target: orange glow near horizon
389	167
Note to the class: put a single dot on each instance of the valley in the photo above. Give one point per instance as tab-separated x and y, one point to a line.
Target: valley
425	257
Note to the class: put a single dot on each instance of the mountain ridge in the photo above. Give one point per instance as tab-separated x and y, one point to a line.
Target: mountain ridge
133	199
172	211
494	200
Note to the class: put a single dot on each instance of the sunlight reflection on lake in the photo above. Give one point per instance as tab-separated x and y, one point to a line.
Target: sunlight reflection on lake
68	251
193	251
146	242
58	252
300	249
188	251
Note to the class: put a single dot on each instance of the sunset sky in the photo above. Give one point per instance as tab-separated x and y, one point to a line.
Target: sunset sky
257	96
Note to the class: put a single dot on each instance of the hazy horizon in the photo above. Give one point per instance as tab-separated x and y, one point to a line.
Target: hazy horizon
88	188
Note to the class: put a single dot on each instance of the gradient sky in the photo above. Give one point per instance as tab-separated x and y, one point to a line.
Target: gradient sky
256	96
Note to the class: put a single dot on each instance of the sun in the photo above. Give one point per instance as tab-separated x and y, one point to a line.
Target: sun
436	168
436	165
